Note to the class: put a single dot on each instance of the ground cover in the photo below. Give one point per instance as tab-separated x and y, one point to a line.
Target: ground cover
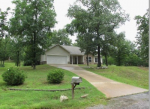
133	75
37	79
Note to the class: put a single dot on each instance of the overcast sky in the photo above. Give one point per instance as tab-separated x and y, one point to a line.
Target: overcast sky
131	7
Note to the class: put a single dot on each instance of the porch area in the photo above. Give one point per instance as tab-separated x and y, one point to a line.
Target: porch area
76	59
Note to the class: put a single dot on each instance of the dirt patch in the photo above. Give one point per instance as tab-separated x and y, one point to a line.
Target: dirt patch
144	68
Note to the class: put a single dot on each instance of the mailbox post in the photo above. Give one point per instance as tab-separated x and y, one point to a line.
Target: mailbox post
75	81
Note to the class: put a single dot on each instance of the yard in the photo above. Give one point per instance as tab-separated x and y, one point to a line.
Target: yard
37	79
136	76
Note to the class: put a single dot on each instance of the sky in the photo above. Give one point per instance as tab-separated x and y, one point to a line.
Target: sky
131	7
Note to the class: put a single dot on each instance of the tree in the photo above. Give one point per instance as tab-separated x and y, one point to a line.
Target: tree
111	60
75	44
84	34
142	35
108	41
4	50
99	17
32	20
86	44
122	49
3	36
132	58
60	37
16	50
3	23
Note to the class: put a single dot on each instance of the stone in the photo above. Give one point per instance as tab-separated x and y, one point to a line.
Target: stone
63	98
84	96
104	67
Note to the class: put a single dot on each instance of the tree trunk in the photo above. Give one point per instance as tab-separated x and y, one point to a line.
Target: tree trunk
3	63
99	57
17	58
87	59
35	37
119	59
106	60
34	51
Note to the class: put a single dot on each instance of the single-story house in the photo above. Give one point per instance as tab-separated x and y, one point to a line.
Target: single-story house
62	54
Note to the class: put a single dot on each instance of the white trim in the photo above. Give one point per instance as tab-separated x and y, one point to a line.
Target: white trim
94	59
55	55
88	58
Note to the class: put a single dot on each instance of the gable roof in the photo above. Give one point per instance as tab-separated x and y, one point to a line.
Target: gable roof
59	46
73	50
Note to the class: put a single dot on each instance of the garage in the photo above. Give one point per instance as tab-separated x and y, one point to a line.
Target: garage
56	59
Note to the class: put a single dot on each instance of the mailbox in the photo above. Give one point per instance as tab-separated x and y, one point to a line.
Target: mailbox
76	80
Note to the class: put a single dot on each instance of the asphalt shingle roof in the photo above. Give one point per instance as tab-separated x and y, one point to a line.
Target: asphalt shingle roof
73	50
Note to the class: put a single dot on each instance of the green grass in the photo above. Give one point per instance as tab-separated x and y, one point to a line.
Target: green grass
136	76
37	79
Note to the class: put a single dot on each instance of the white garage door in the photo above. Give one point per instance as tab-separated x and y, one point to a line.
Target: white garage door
56	59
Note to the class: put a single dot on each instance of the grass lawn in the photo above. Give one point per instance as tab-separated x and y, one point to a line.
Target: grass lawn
37	79
136	76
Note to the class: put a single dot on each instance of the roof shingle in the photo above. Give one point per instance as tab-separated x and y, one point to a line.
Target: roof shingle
73	50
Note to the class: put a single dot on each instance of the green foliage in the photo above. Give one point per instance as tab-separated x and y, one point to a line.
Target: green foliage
16	50
60	37
28	58
124	52
4	49
107	46
111	61
13	76
3	34
32	21
143	35
37	79
86	44
94	19
3	23
121	49
75	44
55	76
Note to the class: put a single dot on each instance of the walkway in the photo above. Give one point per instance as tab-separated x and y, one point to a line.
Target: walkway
107	86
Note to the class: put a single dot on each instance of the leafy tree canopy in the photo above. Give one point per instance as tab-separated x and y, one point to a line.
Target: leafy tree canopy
143	35
96	17
60	37
32	20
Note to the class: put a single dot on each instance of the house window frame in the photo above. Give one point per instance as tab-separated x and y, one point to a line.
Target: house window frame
95	59
89	59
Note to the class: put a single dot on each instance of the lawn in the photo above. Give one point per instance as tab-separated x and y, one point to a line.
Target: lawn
37	79
133	75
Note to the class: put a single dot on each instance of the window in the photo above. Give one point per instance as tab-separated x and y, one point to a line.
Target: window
96	59
90	59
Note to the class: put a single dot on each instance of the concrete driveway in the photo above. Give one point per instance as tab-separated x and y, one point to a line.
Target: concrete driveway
107	86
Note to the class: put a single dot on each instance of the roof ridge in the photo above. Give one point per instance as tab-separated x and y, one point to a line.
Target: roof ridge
70	46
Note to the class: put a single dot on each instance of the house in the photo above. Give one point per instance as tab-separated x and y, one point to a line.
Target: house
62	54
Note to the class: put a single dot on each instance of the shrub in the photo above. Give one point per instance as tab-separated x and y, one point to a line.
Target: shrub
13	76
55	76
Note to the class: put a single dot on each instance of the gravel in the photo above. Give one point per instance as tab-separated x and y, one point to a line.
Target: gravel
136	101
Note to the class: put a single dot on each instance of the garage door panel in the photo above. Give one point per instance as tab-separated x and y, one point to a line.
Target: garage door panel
56	59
